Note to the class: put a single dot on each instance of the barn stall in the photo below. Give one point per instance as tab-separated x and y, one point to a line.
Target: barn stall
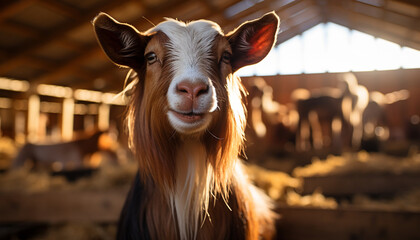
337	150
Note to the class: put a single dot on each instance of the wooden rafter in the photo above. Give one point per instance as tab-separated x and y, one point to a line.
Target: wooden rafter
21	30
397	20
74	63
371	25
13	7
62	9
86	17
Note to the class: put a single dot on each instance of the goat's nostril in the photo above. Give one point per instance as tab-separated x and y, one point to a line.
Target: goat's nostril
184	87
199	90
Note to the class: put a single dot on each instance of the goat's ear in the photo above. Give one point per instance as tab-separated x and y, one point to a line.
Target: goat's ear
253	40
123	44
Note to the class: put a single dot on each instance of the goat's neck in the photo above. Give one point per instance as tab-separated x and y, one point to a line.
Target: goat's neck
193	188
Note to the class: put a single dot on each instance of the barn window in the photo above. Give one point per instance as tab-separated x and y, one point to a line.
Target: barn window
329	47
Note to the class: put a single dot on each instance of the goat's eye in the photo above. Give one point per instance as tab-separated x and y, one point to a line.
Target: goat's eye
226	56
151	57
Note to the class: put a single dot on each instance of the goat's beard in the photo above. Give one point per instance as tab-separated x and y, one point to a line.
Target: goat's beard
194	185
187	171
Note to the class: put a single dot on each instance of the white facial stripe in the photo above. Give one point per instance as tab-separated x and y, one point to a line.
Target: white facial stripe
190	44
191	57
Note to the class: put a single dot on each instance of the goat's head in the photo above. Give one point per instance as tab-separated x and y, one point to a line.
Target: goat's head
186	87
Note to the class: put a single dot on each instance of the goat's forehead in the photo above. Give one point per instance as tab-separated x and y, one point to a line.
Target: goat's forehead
196	34
173	28
190	45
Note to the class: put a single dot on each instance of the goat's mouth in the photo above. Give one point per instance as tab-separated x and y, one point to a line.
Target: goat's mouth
189	123
190	117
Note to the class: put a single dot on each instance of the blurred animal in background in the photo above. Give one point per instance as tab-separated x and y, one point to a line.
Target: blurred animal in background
8	151
321	117
186	123
376	126
353	106
271	125
331	117
413	131
67	155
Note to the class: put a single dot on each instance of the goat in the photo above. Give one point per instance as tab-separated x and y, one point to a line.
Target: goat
186	122
376	126
65	155
317	111
333	114
271	124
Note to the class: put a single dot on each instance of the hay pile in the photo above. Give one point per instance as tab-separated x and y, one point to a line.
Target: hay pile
408	201
316	199
283	188
360	163
274	183
106	177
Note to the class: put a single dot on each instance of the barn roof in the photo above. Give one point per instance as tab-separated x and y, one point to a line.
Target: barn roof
52	42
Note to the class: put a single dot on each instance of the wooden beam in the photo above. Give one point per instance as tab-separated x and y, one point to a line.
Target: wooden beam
62	206
294	8
383	14
103	116
306	16
72	65
69	67
411	2
21	30
51	36
40	63
70	45
371	25
14	7
298	29
402	8
107	74
295	223
322	6
210	6
67	122
391	25
302	16
372	183
65	10
33	118
239	18
301	223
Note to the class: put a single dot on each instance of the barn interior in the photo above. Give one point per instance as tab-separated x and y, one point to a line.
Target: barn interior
335	146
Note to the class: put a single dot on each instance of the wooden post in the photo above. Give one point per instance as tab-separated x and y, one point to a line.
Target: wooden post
67	119
19	127
103	116
42	129
33	117
88	122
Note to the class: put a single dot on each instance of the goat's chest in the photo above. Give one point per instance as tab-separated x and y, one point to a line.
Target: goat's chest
190	210
160	221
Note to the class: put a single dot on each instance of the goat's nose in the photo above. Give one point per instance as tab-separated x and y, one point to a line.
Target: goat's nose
192	89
